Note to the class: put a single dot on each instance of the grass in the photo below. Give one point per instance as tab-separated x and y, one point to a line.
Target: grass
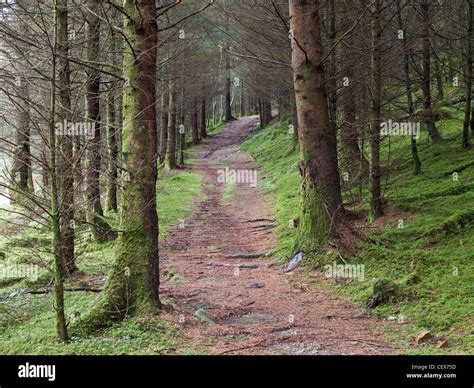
216	129
176	194
435	246
230	192
27	322
35	333
275	153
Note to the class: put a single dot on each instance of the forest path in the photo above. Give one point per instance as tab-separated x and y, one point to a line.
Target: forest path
216	263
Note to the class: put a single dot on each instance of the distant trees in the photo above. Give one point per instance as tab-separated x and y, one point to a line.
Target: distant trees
21	174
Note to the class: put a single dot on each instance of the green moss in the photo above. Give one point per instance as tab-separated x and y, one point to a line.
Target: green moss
314	223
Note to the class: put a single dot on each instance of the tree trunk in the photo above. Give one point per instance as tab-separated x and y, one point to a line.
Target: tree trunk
294	115
21	171
227	90
202	128
111	204
349	132
426	81
182	127
468	77
439	80
376	86
408	87
113	129
101	231
172	161
194	122
267	111
21	166
241	100
60	11
65	173
133	285
321	192
164	126
332	65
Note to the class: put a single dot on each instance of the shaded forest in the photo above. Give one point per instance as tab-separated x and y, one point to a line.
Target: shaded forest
247	177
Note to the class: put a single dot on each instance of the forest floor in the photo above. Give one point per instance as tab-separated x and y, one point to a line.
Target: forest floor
224	249
227	292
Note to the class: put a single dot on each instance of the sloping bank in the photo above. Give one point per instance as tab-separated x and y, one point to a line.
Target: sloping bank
430	282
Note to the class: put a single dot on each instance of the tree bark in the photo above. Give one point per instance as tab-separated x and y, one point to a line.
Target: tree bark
60	7
164	126
332	65
426	81
468	77
321	192
172	161
202	127
376	86
408	88
66	165
194	122
111	204
182	118
113	130
101	231
133	285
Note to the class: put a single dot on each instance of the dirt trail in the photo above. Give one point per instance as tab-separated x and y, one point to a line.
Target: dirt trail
214	264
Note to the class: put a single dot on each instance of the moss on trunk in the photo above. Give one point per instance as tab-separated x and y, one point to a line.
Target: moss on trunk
321	193
133	285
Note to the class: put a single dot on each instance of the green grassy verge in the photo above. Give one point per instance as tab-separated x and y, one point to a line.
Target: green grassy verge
27	322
